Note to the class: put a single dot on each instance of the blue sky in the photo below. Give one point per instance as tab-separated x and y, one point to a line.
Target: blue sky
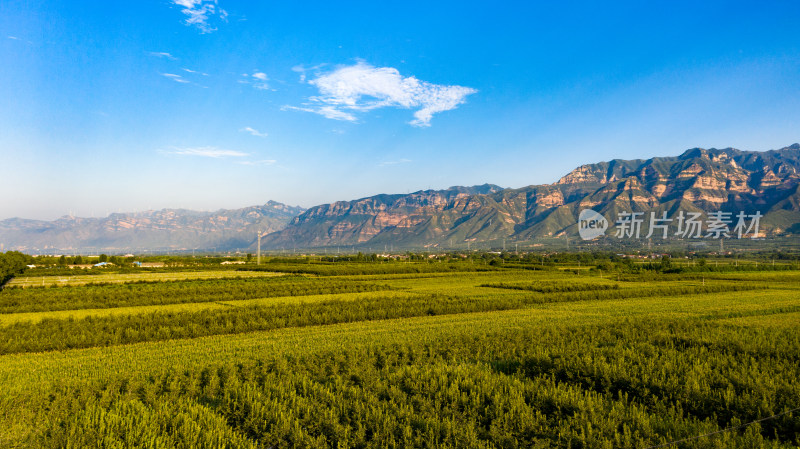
129	106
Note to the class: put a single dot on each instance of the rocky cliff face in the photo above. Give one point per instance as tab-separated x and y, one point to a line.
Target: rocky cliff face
167	229
360	221
702	180
699	180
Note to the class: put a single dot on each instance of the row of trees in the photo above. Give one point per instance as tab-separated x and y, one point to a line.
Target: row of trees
102	296
632	385
55	334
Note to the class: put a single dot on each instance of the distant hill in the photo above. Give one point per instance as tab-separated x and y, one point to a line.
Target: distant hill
699	180
161	230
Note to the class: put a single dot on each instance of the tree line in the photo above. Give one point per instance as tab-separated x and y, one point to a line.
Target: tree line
12	263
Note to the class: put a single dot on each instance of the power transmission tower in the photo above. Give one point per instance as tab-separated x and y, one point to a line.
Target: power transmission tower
258	248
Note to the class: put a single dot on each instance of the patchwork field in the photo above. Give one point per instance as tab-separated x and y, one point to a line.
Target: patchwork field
401	355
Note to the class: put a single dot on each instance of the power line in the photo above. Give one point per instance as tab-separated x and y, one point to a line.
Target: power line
723	430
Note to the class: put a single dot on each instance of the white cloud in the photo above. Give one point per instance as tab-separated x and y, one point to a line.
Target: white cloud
175	77
302	70
15	38
163	54
362	87
259	80
212	152
397	162
325	111
199	13
194	71
261	162
253	132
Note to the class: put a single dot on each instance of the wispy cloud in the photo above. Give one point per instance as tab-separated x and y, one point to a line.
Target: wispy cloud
163	54
261	162
15	38
330	112
257	79
253	132
212	152
397	162
240	157
176	78
194	71
260	80
362	87
199	13
302	70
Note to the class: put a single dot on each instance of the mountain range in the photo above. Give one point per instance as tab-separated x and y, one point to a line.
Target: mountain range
698	181
161	230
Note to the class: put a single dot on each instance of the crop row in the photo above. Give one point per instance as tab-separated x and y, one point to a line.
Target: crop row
59	334
552	287
101	296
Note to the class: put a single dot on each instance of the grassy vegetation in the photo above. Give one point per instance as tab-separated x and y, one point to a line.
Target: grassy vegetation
379	354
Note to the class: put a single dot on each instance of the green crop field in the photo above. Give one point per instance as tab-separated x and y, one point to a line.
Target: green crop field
82	279
392	355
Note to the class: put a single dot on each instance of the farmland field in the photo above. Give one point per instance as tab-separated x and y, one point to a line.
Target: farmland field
401	355
61	281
